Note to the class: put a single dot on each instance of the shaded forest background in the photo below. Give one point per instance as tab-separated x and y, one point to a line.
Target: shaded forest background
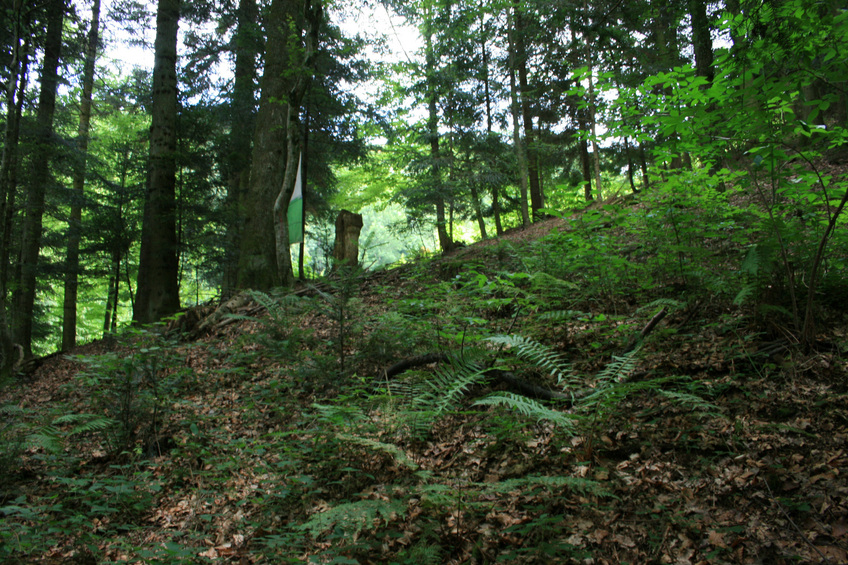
125	191
599	313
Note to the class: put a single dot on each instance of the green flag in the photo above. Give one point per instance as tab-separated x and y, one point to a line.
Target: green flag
295	212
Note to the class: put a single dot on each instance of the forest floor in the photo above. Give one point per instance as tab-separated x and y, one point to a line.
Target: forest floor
277	435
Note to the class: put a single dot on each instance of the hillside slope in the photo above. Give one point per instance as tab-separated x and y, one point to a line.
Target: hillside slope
279	434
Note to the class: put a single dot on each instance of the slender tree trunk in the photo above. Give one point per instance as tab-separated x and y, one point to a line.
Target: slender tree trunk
246	46
69	308
158	293
39	177
585	160
536	197
496	205
596	157
521	155
445	242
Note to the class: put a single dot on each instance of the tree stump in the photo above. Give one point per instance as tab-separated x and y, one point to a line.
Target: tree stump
346	248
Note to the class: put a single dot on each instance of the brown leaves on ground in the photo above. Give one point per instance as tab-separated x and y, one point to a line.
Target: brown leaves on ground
760	478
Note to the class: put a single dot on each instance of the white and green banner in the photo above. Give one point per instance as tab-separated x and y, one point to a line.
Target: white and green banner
295	212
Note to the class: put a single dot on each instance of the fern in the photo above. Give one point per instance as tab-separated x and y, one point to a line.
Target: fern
424	554
579	484
669	303
339	415
620	368
354	517
540	355
693	401
438	495
529	408
396	452
51	437
563	315
450	384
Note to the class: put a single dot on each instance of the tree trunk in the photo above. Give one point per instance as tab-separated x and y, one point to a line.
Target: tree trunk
158	290
8	181
346	246
521	156
241	129
536	197
15	90
445	242
496	205
39	176
701	39
69	307
265	259
301	69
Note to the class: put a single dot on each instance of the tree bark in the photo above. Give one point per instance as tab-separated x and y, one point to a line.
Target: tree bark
246	46
346	246
313	14
69	307
521	155
445	242
8	179
158	289
701	39
39	177
537	200
265	259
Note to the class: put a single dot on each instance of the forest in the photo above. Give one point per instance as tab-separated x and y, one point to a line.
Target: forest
597	311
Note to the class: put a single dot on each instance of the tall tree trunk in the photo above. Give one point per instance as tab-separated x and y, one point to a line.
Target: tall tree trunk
39	177
536	197
521	155
8	181
69	306
301	73
701	39
158	293
246	46
15	90
158	271
496	205
265	259
668	55
445	242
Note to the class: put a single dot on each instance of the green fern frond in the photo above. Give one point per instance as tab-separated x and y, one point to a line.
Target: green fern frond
547	284
339	415
540	355
354	517
47	437
398	454
746	292
620	368
438	495
692	401
424	554
11	410
563	315
669	303
578	484
450	383
528	407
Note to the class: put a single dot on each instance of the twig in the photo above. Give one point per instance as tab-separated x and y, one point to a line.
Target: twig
794	525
